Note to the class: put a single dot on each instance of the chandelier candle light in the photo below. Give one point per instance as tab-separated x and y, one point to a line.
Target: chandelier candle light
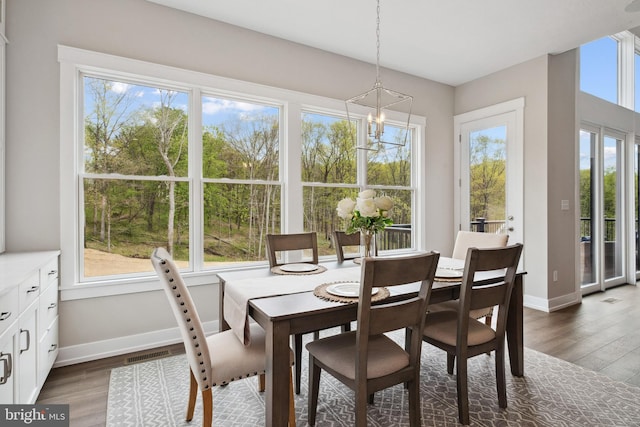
376	100
368	215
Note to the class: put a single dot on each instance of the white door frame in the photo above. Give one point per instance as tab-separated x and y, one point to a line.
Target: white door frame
512	113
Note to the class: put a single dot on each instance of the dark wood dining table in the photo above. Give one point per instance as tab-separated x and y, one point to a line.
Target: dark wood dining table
301	312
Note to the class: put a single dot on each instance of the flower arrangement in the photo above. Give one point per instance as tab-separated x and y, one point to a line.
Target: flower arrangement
367	214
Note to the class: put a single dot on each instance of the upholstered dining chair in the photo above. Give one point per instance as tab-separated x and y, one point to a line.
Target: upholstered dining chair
464	241
277	246
217	359
342	240
462	336
366	360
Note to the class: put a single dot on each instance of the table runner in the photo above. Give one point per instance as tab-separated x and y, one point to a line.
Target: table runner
237	293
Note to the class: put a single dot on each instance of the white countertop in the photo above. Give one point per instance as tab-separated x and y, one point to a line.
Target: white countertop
15	267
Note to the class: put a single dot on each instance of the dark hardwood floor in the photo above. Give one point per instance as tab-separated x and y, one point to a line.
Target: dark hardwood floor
602	334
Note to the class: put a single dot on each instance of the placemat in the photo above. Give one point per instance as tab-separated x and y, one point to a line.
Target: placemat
321	292
448	279
278	270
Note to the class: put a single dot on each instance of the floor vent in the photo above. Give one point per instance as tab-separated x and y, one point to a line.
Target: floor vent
147	356
611	300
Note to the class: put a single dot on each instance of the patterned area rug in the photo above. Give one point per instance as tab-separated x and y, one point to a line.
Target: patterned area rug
553	393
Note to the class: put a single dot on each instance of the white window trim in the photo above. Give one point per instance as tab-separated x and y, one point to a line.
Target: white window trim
74	62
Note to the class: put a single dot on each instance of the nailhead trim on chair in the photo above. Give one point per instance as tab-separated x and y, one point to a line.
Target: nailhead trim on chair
177	295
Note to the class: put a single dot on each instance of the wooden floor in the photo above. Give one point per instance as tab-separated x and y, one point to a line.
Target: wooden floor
602	334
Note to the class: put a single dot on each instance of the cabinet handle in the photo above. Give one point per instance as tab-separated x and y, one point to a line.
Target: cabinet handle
22	350
5	315
7	363
52	272
52	305
33	289
53	347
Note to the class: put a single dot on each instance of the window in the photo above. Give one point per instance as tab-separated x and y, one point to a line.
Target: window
205	166
332	169
599	68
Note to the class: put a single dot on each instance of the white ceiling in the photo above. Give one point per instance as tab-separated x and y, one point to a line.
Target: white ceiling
449	41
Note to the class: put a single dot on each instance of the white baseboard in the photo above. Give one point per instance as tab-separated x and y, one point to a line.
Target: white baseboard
553	304
114	347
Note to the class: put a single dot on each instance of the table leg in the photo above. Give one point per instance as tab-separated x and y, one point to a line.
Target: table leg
222	324
515	330
278	374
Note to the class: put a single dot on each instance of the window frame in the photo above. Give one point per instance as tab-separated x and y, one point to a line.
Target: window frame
75	63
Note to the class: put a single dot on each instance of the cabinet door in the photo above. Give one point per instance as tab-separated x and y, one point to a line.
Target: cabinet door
7	365
27	355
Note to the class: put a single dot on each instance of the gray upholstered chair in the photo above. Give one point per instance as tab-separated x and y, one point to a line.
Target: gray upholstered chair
366	360
216	359
464	241
462	336
342	240
277	246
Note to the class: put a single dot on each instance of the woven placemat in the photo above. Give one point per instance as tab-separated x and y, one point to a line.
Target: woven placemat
321	292
278	270
448	279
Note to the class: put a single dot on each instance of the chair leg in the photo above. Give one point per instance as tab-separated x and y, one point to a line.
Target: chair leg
346	327
261	382
316	335
314	384
487	320
292	405
414	402
500	378
450	363
207	408
463	392
362	399
193	394
297	349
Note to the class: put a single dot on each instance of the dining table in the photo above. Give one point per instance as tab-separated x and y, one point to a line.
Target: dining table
283	303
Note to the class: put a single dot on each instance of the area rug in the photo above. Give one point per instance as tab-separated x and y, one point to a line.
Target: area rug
552	393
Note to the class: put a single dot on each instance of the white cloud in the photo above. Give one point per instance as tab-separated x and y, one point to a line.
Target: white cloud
215	106
119	87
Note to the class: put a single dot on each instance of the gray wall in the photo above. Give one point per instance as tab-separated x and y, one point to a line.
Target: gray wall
528	80
138	29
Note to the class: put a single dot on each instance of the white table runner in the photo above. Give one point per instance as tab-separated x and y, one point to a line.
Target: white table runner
237	293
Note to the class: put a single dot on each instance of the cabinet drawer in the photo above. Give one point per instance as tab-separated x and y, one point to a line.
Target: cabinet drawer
48	308
49	273
9	308
29	290
48	351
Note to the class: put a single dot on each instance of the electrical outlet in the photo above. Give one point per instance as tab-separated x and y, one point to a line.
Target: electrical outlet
555	275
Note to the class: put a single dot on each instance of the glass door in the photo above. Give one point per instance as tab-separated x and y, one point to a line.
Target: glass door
490	173
602	238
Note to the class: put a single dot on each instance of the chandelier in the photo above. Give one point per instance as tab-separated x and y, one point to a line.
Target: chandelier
377	100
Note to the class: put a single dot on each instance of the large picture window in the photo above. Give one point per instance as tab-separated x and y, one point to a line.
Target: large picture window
206	167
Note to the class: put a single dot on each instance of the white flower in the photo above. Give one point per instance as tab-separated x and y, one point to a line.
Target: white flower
367	194
345	208
366	207
384	203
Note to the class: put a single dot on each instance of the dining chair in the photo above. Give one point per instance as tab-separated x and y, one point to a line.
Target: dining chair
342	240
462	336
277	246
366	360
217	359
280	244
464	241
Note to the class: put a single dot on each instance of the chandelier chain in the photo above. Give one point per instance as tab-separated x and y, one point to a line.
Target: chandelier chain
378	43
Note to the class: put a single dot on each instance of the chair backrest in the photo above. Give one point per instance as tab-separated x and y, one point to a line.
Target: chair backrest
474	239
406	313
184	310
497	293
342	239
278	243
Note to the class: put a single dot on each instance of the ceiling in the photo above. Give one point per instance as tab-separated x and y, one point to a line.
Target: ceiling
448	41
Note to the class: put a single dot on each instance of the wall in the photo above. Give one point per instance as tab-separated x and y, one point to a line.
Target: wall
143	30
528	80
562	158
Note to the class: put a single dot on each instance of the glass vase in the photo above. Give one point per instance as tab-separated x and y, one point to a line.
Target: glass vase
368	243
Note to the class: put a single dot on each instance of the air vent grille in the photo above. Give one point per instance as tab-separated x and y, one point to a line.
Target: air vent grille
147	356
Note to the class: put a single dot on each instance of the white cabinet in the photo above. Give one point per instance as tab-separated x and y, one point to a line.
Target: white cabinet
28	323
